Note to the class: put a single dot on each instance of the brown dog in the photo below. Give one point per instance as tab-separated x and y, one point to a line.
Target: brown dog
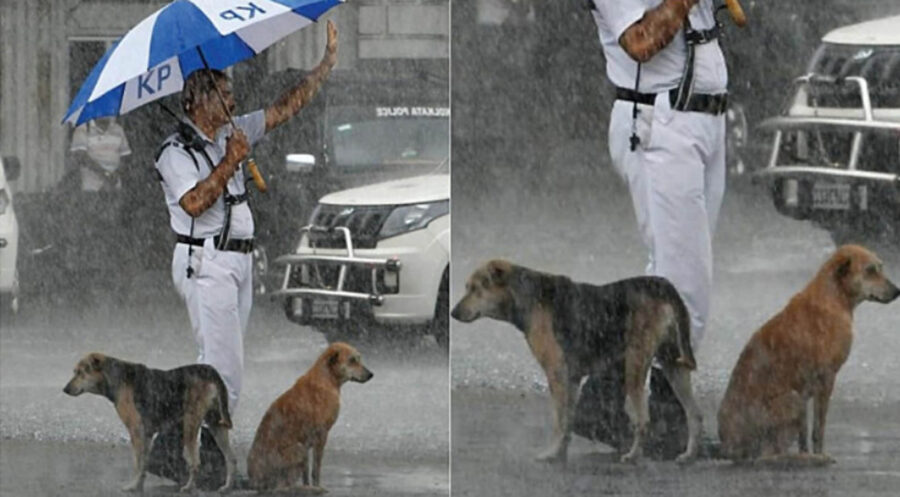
796	356
150	400
576	329
299	420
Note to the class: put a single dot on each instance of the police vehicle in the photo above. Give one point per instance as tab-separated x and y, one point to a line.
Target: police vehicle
372	255
374	259
835	155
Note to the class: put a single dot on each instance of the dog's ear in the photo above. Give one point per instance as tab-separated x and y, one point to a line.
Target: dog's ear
499	271
843	268
333	358
96	362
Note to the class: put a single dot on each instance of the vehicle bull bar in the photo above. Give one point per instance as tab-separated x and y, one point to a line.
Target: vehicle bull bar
811	119
375	297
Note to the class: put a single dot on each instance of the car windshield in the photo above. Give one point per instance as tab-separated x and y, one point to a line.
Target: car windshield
413	138
879	65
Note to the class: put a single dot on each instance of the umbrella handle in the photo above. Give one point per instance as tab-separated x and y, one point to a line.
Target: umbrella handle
737	13
251	164
258	180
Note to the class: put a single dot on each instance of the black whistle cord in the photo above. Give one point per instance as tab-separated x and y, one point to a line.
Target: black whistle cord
635	139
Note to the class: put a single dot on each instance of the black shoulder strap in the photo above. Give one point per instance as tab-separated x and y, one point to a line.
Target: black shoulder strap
176	143
172	143
686	85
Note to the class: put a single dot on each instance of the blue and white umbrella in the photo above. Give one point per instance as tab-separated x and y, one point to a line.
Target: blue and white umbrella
153	59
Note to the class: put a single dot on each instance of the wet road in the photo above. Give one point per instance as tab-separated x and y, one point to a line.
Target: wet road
391	437
581	224
496	433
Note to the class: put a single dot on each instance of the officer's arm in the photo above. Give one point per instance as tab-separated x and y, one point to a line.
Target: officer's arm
204	194
645	38
290	103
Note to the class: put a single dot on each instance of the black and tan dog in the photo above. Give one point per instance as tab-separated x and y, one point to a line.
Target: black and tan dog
149	400
576	329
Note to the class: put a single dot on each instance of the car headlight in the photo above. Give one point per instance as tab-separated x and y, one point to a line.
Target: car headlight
407	218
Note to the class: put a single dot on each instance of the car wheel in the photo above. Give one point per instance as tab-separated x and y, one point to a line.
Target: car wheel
260	270
9	302
6	305
871	234
440	325
841	235
884	242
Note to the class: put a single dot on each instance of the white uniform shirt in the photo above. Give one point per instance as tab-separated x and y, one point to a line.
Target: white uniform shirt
179	176
105	146
664	70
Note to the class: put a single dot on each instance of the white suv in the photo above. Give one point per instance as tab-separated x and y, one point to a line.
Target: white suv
835	158
9	236
374	258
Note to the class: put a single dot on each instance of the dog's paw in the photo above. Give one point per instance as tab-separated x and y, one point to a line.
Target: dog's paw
312	490
686	458
226	487
823	459
551	455
630	458
187	488
134	486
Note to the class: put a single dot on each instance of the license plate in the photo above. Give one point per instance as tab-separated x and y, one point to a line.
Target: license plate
325	309
833	196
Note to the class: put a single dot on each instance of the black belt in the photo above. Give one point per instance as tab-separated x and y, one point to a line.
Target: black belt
699	102
242	245
197	242
633	96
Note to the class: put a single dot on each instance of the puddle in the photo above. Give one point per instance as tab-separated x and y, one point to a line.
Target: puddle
416	480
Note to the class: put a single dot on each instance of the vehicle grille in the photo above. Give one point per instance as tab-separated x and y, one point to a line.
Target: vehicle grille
325	276
364	223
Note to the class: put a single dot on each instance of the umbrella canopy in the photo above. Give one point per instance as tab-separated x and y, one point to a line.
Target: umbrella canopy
153	58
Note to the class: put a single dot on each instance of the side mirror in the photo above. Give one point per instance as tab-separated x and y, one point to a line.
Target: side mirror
11	167
300	163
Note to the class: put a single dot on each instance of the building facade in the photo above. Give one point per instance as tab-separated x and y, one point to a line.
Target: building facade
47	48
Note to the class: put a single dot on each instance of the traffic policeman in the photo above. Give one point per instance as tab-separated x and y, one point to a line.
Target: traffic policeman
204	184
667	133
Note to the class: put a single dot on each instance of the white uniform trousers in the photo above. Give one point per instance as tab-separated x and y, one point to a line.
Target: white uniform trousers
677	180
218	297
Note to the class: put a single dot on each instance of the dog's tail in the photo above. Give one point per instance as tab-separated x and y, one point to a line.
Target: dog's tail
683	333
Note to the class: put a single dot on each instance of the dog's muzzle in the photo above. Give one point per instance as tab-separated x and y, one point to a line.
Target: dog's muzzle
892	293
458	314
366	376
70	390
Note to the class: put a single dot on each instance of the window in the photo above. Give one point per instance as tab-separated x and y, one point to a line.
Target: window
879	65
84	53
